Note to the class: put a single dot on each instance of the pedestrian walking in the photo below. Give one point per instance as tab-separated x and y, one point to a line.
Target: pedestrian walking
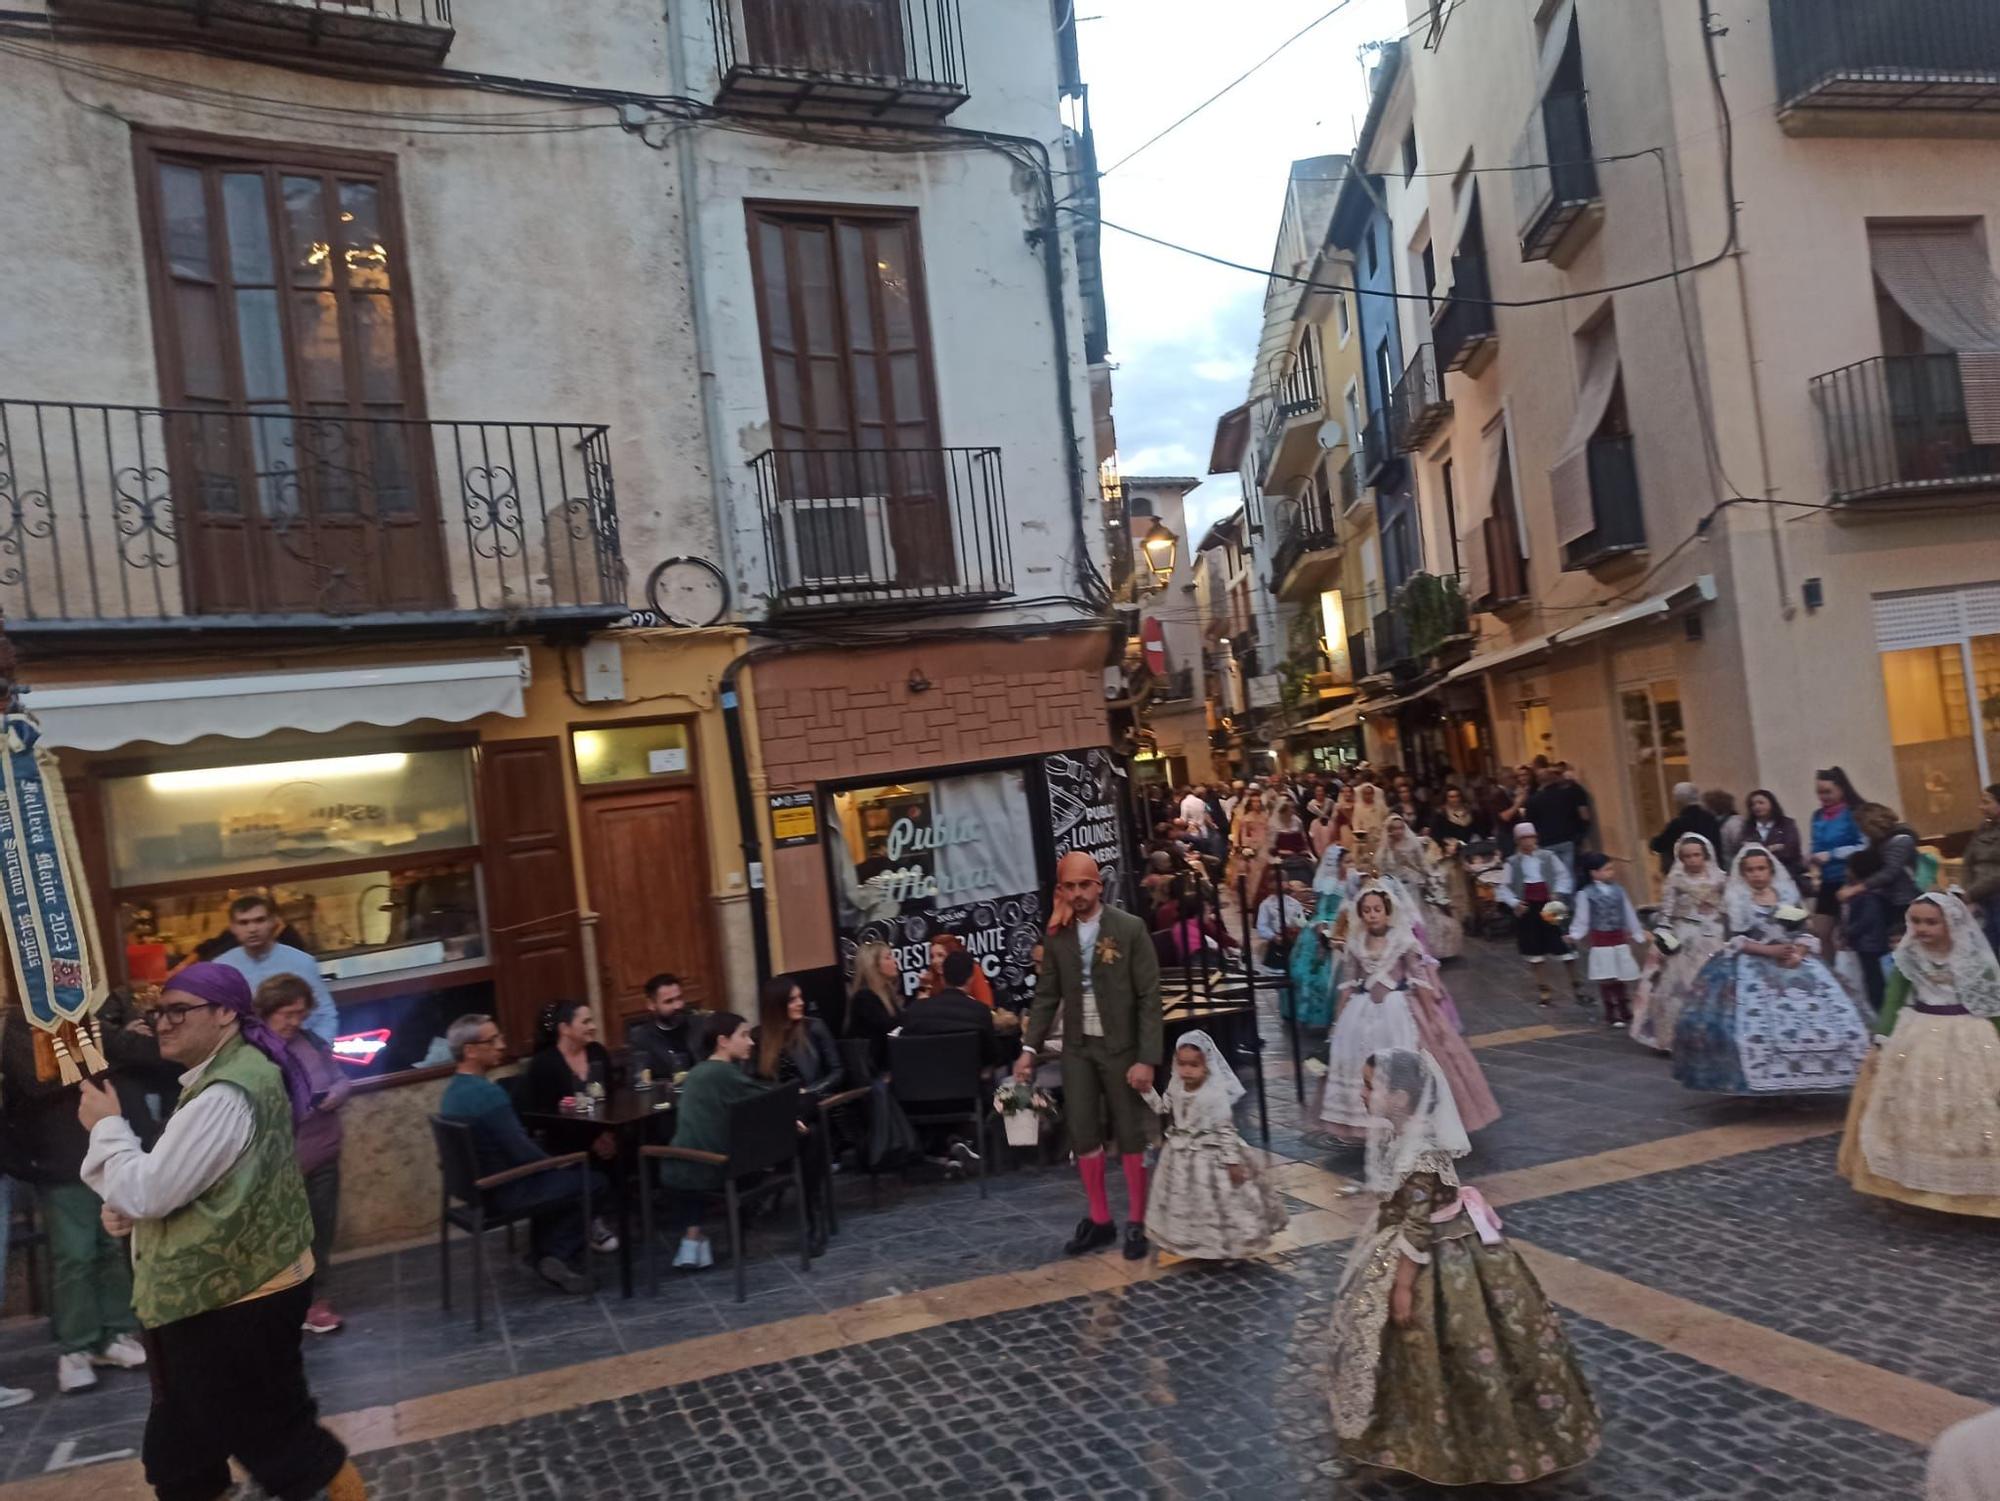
1535	887
1835	836
1606	924
222	1252
1688	932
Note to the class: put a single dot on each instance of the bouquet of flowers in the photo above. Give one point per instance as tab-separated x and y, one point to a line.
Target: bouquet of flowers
1792	917
1023	1110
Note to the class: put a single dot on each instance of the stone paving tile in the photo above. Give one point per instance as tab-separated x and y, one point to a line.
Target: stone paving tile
1778	1238
1207	1385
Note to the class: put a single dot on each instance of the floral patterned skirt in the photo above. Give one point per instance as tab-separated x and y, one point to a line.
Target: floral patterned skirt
1665	990
1193	1210
1752	1026
1921	1126
1481	1386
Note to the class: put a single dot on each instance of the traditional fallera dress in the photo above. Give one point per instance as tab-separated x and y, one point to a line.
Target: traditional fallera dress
1480	1385
1690	910
1193	1208
1404	857
1390	998
1753	1026
1923	1126
1309	998
1248	835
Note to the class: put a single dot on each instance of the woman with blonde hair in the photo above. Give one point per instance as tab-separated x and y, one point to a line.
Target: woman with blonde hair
874	1000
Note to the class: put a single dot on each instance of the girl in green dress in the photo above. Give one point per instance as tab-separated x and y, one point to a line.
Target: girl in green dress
1309	999
1448	1362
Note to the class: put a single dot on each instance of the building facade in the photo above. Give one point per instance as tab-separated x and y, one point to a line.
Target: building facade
550	500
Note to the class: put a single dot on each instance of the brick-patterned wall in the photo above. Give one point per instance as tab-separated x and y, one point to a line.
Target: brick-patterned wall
825	716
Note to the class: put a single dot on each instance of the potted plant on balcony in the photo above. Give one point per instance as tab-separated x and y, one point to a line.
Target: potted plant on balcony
1433	609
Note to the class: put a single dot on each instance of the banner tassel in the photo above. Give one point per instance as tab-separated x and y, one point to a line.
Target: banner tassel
65	1064
89	1046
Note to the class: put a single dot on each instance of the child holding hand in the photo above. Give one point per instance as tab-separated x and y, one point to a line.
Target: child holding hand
1208	1201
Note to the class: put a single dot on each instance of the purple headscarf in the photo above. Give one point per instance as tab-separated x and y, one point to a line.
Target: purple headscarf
228	988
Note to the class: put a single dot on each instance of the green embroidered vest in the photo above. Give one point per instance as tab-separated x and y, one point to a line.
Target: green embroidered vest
248	1227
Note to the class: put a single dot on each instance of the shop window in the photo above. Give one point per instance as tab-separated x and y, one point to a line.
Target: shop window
1656	750
955	855
631	753
1931	730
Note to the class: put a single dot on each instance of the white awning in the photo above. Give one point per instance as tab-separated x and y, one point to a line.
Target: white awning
1667	602
1343	718
173	711
1476	665
1939	275
1569	477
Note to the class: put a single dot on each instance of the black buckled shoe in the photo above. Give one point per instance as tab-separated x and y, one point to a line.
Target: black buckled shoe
1090	1236
1136	1245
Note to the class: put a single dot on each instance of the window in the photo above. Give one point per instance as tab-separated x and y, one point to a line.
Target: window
1385	373
1410	154
1940	656
1373	263
1655	750
286	347
1430	266
1447	487
630	753
1340	316
847	361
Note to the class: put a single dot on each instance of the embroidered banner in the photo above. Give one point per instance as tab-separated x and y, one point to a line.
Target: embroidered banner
47	905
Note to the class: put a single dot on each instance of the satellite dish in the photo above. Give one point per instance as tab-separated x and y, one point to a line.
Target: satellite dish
1331	434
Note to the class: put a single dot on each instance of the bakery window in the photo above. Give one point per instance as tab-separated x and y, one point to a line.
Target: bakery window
370	861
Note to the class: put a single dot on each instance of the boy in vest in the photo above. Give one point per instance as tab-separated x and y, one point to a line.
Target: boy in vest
222	1261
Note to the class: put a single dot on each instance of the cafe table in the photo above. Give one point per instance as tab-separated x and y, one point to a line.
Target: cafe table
626	1112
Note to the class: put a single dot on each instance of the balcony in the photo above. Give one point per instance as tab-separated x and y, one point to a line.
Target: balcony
1391	641
861	59
1290	446
1556	191
1357	655
411	32
1896	67
118	521
1506	568
1419	408
1353	488
1308	550
1381	458
1897	426
853	527
1174	687
1433	615
1614	503
1462	328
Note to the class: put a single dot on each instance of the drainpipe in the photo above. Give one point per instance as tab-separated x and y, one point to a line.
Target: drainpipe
688	170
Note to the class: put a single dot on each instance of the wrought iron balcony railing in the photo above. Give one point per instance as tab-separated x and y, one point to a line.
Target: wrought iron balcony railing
1462	328
1380	452
403	31
1898	425
1898	55
1305	525
1614	502
862	57
1174	687
1419	407
123	517
1557	181
853	526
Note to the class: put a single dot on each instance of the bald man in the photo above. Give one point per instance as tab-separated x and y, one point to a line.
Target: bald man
1099	967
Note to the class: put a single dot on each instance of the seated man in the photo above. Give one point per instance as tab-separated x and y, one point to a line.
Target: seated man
1279	921
952	1009
663	1040
557	1230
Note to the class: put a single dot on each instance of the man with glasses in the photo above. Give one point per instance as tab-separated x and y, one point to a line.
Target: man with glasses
222	1263
557	1231
1100	969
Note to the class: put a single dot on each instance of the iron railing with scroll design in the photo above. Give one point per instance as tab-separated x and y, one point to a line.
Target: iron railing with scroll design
861	526
384	30
1886	54
1419	407
125	516
1898	425
877	55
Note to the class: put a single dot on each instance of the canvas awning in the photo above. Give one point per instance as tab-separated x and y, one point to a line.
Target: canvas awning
1666	602
1473	666
1569	476
1940	276
173	711
1343	718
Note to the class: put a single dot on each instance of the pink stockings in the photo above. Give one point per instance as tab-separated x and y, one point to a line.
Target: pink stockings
1091	1169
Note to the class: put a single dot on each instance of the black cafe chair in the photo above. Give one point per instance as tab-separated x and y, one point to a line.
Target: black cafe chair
764	1141
465	1202
939	1082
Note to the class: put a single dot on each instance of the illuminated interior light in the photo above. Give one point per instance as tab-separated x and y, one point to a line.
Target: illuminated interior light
211	778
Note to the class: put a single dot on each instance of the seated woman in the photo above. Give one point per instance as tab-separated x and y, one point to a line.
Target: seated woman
981	990
874	1000
568	1060
701	1112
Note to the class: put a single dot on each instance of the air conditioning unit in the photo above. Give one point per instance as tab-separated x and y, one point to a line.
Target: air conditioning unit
840	543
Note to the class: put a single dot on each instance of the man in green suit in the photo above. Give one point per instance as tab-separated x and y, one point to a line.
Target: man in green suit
1099	967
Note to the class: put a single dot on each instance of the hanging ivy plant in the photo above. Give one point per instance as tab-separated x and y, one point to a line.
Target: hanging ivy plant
1433	610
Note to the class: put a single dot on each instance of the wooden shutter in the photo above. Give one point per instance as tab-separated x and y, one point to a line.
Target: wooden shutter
531	914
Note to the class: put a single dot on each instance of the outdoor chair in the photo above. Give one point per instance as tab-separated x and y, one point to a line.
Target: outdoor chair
465	1203
939	1082
762	1161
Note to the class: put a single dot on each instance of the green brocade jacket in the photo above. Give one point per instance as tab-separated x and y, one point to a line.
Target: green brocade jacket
1126	978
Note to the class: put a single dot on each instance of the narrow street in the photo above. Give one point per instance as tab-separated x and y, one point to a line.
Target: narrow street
1752	1328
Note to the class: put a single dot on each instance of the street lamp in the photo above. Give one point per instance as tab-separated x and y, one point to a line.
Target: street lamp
1160	545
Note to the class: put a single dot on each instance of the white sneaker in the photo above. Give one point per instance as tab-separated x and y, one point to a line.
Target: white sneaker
14	1396
602	1238
124	1352
73	1372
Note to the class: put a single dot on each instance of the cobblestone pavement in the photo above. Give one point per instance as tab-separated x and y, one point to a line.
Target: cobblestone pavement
1205	1383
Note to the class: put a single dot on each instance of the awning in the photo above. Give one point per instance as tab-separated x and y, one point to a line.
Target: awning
1670	601
1941	277
1384	705
1343	718
173	711
1473	666
1569	477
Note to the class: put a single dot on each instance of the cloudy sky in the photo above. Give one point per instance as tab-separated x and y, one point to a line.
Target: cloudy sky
1183	332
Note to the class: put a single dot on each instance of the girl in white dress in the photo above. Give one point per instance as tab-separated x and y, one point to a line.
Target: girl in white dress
1208	1199
1691	912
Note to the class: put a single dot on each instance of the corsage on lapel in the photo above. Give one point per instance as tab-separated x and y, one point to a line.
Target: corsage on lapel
1107	951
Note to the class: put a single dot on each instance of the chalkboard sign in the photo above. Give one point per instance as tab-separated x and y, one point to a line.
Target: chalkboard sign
1084	810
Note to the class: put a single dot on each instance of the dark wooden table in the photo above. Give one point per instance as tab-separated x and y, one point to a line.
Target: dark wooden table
626	1112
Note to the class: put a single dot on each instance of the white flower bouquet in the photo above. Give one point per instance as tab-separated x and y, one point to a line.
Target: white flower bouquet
1022	1110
